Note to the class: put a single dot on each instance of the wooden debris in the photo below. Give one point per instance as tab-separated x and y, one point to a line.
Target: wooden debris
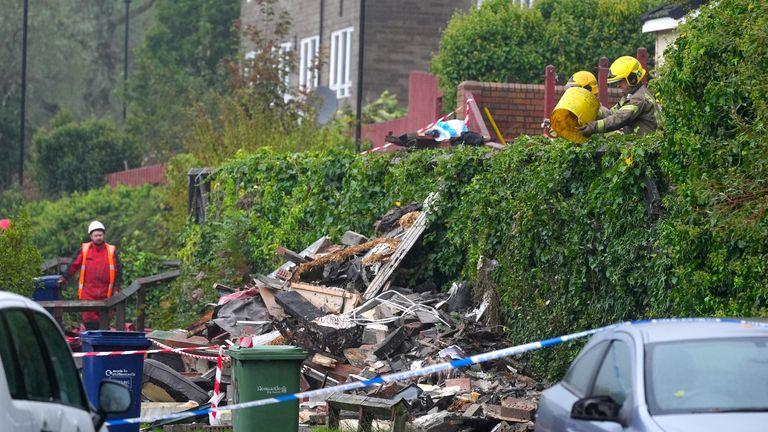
323	360
328	299
339	256
298	307
408	240
290	255
390	344
369	409
351	238
497	412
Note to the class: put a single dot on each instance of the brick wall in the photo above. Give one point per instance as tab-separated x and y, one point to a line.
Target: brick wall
517	108
153	174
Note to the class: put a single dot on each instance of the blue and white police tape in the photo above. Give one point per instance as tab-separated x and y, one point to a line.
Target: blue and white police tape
400	376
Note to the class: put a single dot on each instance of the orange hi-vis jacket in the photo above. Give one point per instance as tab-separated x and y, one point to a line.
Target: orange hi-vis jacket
99	268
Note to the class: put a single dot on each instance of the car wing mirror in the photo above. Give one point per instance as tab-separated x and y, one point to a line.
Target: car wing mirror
596	408
114	398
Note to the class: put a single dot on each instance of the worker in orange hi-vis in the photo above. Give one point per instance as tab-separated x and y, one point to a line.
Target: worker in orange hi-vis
100	271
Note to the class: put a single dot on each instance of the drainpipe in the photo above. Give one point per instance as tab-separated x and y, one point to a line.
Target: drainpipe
361	45
320	37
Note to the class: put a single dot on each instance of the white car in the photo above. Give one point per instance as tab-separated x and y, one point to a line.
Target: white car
40	387
678	376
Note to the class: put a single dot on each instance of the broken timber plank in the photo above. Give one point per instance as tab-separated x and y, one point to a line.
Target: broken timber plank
318	245
351	238
329	299
274	309
290	255
409	239
298	307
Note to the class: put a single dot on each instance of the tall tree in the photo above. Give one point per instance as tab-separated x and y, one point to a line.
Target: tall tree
183	57
75	62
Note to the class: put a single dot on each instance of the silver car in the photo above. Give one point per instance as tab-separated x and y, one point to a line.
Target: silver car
664	377
40	388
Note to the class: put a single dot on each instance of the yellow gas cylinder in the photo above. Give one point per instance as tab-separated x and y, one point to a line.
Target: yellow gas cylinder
576	108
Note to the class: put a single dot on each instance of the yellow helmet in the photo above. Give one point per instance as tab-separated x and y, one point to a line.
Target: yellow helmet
584	80
626	68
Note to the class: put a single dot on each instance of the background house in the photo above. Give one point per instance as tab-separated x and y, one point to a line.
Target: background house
400	36
663	22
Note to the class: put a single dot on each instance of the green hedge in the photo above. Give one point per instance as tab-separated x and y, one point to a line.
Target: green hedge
19	259
575	246
58	227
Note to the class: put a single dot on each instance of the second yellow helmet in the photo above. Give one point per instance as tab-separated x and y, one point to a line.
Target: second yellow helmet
583	79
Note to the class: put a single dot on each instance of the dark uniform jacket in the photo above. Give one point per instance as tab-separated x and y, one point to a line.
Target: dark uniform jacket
636	112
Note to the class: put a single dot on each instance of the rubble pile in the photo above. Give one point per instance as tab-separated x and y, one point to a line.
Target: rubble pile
339	303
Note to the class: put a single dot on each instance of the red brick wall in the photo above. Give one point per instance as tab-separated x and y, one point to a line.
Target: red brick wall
517	108
153	174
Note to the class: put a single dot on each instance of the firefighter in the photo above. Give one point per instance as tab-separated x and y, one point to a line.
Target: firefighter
636	112
100	271
585	80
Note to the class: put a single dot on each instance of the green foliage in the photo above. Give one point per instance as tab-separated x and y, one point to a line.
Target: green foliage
714	100
19	258
575	247
58	227
383	109
182	59
9	144
714	94
174	201
502	42
76	156
579	32
497	42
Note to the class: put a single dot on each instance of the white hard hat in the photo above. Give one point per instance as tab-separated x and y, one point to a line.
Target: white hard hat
95	225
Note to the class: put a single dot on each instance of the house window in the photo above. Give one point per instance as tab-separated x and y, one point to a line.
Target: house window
341	49
310	47
247	61
285	71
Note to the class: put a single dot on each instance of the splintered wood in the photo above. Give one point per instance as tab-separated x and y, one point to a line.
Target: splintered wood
342	255
409	219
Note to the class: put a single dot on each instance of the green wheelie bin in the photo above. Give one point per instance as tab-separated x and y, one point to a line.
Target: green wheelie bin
264	372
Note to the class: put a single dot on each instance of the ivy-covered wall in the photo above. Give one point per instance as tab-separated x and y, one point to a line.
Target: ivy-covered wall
570	231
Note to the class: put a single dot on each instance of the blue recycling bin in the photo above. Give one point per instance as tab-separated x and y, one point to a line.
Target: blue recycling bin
46	288
125	368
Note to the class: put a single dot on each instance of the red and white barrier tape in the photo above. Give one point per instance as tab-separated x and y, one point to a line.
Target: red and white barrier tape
214	358
134	352
212	416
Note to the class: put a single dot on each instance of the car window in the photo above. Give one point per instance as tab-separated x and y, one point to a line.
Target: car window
614	378
581	372
710	375
35	372
10	362
69	390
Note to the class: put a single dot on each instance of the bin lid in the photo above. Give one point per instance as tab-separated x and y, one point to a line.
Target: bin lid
46	281
268	352
111	337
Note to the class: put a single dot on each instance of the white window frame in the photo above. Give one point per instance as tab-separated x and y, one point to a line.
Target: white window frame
310	49
285	73
340	78
247	60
